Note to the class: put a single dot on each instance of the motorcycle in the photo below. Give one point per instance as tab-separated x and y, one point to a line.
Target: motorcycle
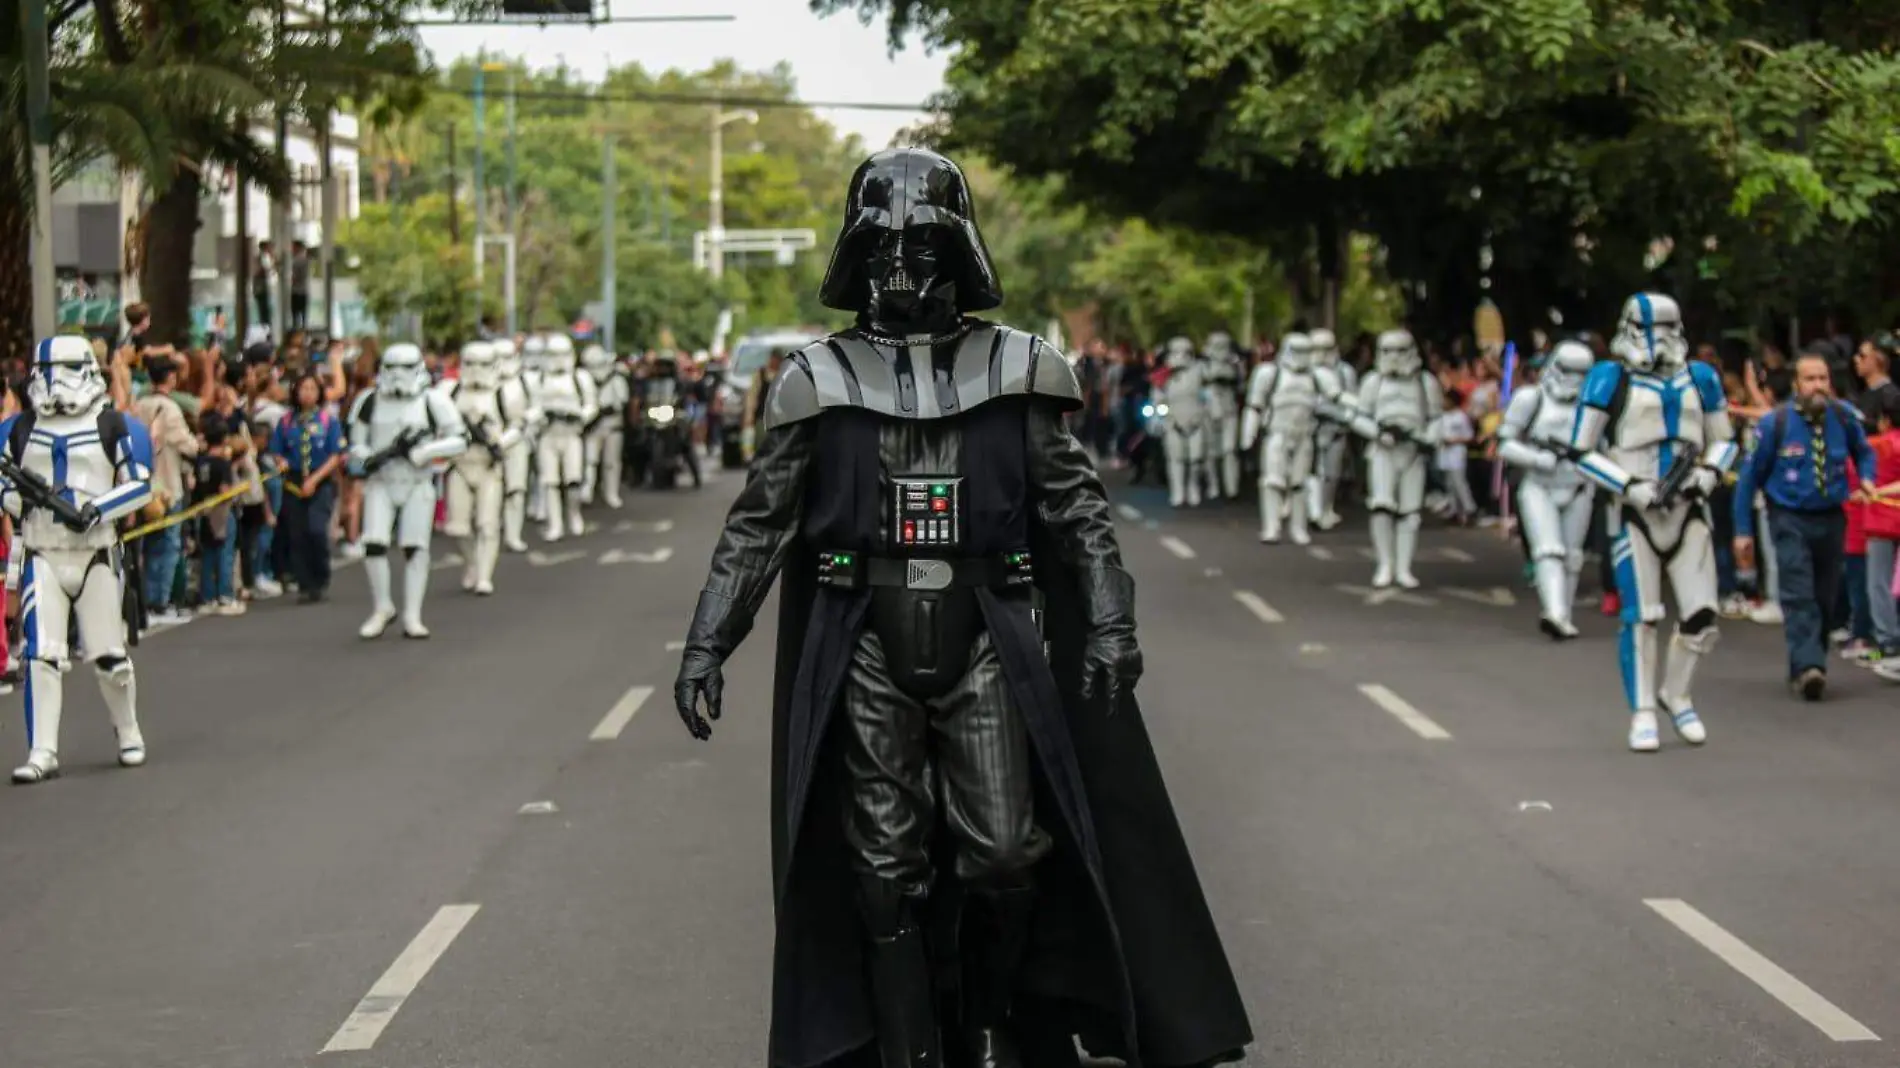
666	435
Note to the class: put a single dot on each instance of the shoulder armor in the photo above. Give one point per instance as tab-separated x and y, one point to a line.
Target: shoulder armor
1601	387
1708	386
1024	363
794	395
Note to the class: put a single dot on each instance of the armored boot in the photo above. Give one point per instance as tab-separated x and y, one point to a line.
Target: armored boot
903	1001
996	934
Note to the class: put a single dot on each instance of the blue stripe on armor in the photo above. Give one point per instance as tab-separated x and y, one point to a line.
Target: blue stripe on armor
61	459
45	361
1631	613
30	629
1649	324
1672	425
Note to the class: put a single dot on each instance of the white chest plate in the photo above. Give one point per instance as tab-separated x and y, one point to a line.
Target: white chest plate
1400	401
1661	415
561	395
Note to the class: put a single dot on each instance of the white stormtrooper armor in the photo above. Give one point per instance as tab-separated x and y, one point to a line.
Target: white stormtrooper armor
1329	459
517	460
568	402
1220	371
96	464
399	429
476	478
1185	445
607	433
1398	403
1647	423
1553	497
1284	400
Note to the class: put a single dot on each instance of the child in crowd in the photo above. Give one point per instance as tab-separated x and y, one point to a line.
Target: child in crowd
1883	534
1455	434
217	534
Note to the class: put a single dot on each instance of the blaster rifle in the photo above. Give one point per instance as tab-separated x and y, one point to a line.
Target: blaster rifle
1675	483
408	439
36	492
1412	437
1564	451
478	433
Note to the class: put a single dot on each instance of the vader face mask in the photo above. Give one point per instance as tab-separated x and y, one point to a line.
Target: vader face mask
909	278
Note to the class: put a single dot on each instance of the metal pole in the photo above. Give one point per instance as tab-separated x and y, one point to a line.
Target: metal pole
241	268
327	176
455	214
39	122
716	233
508	286
481	222
280	208
609	190
514	234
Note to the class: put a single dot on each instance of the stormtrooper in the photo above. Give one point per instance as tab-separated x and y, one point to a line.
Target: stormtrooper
398	430
606	433
1284	400
1329	455
1397	403
1553	498
568	403
534	359
476	477
517	460
1185	445
1220	371
1653	429
74	467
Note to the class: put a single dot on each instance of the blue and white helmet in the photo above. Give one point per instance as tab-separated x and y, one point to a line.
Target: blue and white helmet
402	372
66	378
1565	369
1649	335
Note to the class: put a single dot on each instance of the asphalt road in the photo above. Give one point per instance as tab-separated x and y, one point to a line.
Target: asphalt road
1417	823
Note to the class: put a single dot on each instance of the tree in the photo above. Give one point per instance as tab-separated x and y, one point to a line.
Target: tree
1566	135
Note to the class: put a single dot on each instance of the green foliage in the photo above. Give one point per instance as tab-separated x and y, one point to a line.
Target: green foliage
409	265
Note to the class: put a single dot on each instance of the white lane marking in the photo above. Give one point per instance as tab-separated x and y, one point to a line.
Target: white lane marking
1312	647
628	556
541	559
657	526
1526	806
676	647
452	560
620	714
380	1005
1261	609
1177	546
1458	555
538	808
1496	596
1320	552
1370	595
1403	711
1765	973
1128	512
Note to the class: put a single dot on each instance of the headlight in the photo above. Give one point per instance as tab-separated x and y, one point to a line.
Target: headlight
1161	409
1147	411
661	414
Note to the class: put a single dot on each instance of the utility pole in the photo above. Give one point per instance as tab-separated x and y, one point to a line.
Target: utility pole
455	216
716	232
280	205
481	221
327	176
609	190
241	263
39	128
514	231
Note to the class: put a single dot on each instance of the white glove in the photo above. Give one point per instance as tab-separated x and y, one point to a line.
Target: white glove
1547	461
1641	494
1701	482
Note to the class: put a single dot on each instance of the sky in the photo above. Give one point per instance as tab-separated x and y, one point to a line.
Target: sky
834	59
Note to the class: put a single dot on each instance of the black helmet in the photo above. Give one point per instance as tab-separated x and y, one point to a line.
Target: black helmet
896	191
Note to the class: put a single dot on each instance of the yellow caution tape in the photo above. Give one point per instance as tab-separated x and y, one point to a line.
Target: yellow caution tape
192	512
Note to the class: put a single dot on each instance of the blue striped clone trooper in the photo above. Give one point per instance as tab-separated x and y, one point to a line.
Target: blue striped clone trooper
96	463
1648	423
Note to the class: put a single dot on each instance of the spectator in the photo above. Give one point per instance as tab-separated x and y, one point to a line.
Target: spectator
1872	363
172	445
1800	464
1455	434
309	441
1883	534
299	285
217	531
261	268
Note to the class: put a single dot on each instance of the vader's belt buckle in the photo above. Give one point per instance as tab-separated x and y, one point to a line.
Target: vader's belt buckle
928	574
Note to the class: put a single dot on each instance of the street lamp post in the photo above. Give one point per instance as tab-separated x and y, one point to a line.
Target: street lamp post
716	235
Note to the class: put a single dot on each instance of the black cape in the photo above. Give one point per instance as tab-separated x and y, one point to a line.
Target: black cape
1124	951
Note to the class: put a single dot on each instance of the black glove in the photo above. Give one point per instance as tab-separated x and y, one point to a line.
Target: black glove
701	677
1111	661
88	518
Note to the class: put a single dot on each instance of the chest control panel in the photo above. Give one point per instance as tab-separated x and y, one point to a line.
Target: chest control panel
927	512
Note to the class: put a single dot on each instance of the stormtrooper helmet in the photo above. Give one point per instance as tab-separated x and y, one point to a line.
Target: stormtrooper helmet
1296	352
534	353
66	378
598	363
1565	369
1325	348
1398	353
481	367
401	373
1649	334
558	355
507	359
1220	345
1180	353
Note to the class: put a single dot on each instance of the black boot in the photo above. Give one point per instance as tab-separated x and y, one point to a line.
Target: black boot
902	998
995	936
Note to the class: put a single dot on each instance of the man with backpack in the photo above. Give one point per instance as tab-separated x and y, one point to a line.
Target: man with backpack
1800	466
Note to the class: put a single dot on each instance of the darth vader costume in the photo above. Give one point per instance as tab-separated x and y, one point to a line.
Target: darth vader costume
975	858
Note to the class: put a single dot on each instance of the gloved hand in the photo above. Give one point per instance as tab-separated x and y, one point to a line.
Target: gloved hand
1641	493
1547	460
1701	483
1111	664
88	518
701	677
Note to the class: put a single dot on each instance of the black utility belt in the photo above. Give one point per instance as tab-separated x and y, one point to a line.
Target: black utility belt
855	571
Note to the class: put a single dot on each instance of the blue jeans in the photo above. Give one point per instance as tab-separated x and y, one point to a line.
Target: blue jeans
162	550
1881	607
1809	547
214	568
266	534
1860	621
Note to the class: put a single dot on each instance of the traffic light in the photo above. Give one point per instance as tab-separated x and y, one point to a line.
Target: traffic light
579	9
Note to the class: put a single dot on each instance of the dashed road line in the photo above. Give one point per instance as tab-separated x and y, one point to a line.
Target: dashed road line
1177	546
1458	555
385	999
1771	977
1261	609
676	646
1128	512
1319	552
620	714
1402	710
